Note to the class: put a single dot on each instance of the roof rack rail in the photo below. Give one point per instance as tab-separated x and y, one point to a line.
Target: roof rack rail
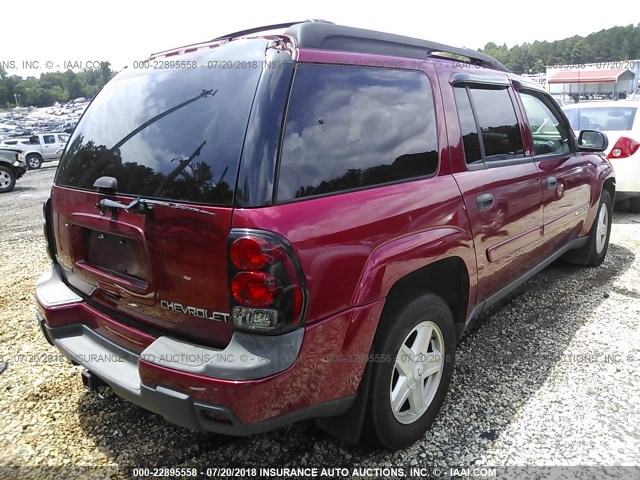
269	27
349	39
236	34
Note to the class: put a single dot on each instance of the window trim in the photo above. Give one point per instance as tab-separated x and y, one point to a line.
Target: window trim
276	184
494	79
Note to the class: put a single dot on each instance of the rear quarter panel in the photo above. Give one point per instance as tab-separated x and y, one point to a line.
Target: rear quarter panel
353	247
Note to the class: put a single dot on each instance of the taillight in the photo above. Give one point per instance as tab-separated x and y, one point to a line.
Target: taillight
267	289
253	289
624	147
250	253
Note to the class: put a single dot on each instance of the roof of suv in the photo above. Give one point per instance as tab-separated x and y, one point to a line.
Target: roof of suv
328	36
323	35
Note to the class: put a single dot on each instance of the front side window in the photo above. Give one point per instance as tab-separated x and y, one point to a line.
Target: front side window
491	110
354	127
550	134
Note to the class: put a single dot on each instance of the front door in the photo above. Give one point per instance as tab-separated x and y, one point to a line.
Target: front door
49	146
565	176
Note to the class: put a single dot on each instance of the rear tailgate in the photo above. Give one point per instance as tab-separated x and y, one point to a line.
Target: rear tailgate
167	270
172	136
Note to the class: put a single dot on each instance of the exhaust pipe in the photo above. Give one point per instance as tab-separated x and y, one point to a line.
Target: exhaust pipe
93	383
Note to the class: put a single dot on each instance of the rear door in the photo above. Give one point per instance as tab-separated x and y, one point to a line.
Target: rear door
565	176
172	136
501	186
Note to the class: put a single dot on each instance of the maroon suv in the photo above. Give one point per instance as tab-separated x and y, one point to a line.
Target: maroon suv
299	221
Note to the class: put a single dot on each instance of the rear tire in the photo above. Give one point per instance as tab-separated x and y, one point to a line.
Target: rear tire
592	254
634	204
7	179
415	346
34	161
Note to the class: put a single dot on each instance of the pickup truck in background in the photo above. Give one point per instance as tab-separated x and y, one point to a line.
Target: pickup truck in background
39	148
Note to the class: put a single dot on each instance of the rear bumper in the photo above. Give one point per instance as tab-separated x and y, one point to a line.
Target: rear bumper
255	384
627	176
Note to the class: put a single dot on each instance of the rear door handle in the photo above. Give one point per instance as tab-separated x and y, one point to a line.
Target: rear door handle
551	182
484	201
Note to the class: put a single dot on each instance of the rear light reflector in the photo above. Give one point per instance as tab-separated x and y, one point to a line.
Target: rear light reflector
267	289
253	289
624	147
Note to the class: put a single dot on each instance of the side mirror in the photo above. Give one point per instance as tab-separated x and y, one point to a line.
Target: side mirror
592	141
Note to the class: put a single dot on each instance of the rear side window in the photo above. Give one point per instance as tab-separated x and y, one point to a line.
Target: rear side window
354	127
468	126
493	112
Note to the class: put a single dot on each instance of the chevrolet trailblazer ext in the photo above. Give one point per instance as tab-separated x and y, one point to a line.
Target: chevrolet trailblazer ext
299	221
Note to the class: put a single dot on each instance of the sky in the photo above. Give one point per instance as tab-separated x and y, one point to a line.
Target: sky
124	31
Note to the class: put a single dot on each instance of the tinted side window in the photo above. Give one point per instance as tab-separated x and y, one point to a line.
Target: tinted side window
549	132
353	127
499	127
468	128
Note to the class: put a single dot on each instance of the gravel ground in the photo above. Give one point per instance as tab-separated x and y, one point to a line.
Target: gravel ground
551	376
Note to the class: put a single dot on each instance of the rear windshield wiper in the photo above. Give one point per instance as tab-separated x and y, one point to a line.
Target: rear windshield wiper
144	206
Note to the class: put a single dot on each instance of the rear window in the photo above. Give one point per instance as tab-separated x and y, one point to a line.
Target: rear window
173	134
353	127
601	118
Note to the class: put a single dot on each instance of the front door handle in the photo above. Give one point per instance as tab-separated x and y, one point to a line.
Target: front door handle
551	182
484	201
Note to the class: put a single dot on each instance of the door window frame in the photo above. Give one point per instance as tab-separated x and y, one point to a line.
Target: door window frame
482	164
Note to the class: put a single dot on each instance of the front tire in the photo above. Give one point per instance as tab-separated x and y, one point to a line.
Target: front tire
416	344
7	179
34	161
634	204
595	250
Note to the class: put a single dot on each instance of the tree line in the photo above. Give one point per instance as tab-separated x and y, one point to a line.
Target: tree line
612	44
52	87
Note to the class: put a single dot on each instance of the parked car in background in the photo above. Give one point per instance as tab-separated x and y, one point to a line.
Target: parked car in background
309	239
40	148
620	120
12	167
559	101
